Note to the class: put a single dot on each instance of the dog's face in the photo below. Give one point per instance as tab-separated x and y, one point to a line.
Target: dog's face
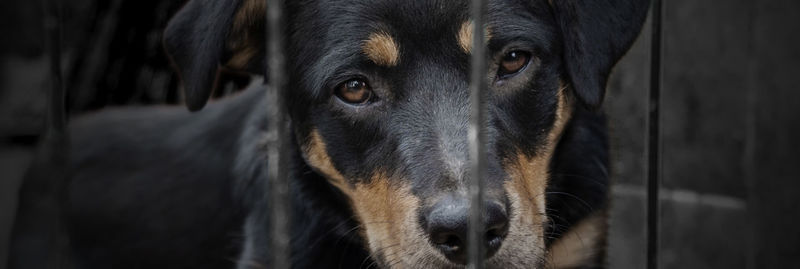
386	118
379	101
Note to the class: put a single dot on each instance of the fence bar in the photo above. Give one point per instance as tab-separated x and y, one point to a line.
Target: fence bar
38	238
56	134
654	139
477	137
278	184
56	120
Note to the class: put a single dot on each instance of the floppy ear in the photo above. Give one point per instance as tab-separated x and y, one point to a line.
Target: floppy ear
208	34
596	34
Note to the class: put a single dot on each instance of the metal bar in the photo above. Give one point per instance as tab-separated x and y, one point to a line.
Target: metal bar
56	115
654	139
55	139
278	185
477	137
751	136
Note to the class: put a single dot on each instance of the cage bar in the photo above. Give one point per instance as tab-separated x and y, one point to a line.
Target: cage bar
654	139
277	137
55	144
477	136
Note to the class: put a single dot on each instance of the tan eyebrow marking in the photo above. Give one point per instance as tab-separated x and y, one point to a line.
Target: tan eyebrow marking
382	49
465	35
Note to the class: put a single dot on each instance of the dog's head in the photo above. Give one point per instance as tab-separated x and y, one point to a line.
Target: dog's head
379	103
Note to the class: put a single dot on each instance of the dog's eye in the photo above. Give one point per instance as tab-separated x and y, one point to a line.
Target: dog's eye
354	91
513	62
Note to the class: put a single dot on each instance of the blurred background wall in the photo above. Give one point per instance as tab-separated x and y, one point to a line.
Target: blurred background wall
730	118
730	124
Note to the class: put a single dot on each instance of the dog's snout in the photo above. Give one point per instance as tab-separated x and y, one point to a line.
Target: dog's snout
447	227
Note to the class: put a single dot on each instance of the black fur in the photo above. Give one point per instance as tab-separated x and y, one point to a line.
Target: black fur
196	46
596	34
161	187
185	208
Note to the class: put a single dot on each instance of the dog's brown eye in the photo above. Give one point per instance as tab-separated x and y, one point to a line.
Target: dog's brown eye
354	91
512	62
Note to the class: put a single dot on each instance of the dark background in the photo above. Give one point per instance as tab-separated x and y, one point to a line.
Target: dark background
730	118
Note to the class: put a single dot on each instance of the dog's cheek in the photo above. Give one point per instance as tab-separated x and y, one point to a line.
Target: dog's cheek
384	207
386	210
316	155
528	178
525	188
580	245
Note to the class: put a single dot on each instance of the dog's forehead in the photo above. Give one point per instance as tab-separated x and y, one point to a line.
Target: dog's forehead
418	18
336	38
403	13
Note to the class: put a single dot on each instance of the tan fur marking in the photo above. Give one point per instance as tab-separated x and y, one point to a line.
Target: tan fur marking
526	189
578	247
529	174
562	117
241	58
247	33
317	156
465	36
387	213
381	48
385	208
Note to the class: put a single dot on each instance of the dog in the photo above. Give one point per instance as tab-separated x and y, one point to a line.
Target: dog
378	104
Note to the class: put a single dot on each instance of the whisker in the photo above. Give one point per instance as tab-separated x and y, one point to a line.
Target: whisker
313	244
380	250
584	177
591	209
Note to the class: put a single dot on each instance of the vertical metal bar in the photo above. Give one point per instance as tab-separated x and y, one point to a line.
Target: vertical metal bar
56	116
477	137
654	139
39	239
278	186
751	136
55	139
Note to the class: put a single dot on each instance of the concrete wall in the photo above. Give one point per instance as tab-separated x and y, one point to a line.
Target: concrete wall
729	124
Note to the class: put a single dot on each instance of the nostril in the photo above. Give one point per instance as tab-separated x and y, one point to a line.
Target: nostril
494	238
496	227
447	239
449	243
493	234
447	228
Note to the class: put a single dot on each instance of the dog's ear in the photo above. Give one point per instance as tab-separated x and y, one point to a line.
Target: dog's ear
596	33
208	34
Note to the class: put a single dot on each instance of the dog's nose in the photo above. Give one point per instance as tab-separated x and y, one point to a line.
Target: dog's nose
447	227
